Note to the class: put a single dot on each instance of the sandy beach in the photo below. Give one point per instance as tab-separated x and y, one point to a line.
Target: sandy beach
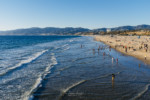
135	46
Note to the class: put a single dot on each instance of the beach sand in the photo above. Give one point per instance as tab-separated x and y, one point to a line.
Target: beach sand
138	47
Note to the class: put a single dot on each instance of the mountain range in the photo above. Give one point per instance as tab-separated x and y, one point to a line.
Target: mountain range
68	30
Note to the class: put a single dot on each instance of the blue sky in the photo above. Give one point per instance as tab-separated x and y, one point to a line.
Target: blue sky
91	14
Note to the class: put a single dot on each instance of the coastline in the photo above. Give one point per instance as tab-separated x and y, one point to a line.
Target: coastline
123	43
80	73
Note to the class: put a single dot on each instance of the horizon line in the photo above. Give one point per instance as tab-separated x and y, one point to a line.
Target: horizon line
70	27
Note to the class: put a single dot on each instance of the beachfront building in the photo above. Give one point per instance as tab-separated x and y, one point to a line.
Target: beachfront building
108	30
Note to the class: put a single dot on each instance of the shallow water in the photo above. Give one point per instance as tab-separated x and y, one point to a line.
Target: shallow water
57	68
83	75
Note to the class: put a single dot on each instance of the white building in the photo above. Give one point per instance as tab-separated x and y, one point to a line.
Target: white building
108	29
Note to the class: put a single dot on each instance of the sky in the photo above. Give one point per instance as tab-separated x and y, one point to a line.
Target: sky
92	14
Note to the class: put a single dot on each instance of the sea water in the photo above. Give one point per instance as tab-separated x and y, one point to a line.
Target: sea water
58	68
25	61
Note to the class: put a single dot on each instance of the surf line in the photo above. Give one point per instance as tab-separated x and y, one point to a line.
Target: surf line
33	57
70	87
29	94
141	93
78	83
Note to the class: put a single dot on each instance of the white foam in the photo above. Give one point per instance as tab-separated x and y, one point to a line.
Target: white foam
66	48
31	58
71	40
70	87
28	95
54	62
37	83
64	68
65	45
54	59
141	93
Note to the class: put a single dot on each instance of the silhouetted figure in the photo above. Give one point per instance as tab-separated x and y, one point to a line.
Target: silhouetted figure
93	51
139	65
126	49
109	48
146	49
103	53
81	45
145	57
113	79
99	47
112	60
117	60
98	50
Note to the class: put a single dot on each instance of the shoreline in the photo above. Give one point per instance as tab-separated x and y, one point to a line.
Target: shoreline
123	43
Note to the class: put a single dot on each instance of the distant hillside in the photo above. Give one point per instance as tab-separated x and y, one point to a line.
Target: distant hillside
139	27
72	31
124	28
44	31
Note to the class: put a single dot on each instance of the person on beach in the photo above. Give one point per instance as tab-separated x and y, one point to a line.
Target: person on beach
103	53
98	49
126	49
139	65
81	46
113	77
145	57
115	46
146	49
109	48
112	60
93	51
117	60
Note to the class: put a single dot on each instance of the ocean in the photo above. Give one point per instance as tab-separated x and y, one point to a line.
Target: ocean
59	68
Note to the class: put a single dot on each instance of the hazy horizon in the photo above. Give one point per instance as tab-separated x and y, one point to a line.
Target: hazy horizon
70	27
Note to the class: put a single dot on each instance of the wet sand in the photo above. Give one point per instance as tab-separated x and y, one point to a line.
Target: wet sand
129	45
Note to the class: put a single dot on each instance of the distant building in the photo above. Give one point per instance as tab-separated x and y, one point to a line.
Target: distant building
142	30
108	30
